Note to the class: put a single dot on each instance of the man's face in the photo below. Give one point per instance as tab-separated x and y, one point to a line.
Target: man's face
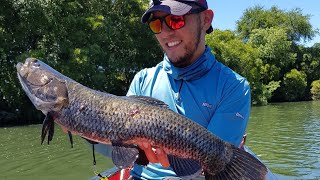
182	46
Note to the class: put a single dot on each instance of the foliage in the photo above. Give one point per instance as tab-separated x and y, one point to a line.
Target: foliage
100	44
266	92
265	48
274	50
240	57
294	84
249	61
295	24
309	62
276	34
315	89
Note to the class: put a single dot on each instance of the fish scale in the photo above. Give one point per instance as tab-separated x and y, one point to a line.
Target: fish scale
123	121
167	140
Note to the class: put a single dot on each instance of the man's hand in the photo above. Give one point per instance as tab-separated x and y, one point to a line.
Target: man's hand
154	155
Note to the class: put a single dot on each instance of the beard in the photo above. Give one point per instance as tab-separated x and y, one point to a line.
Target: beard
190	50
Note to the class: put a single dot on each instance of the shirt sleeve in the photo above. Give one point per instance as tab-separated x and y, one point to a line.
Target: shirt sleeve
231	117
135	88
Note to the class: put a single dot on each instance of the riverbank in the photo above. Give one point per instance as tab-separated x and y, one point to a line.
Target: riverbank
8	119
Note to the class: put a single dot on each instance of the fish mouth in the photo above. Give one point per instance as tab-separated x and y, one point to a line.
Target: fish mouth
23	68
28	74
21	74
25	83
37	102
23	71
18	66
45	87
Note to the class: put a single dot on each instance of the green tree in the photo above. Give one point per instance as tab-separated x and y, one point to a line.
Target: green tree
309	62
315	90
296	25
277	34
275	51
294	84
242	58
100	44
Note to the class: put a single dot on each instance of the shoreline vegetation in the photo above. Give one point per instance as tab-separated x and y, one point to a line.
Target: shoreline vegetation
102	45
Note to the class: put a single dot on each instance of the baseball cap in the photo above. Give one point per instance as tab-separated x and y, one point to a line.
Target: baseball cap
175	7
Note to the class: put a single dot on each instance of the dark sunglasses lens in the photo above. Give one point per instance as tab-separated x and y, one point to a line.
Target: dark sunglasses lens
175	22
155	26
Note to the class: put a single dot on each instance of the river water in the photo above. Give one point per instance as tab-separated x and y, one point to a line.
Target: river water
286	136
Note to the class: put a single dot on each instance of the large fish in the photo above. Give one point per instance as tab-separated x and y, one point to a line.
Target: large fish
122	121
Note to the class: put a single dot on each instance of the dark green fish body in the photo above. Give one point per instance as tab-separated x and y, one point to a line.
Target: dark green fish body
107	118
123	121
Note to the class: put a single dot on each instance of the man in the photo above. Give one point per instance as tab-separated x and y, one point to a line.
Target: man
189	79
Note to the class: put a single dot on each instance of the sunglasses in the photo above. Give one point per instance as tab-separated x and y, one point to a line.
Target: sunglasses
172	21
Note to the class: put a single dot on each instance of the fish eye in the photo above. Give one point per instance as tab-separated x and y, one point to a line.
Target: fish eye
35	63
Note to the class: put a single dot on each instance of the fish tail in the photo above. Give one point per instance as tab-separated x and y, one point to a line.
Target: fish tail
242	165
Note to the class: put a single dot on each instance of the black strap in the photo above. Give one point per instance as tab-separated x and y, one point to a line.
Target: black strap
94	156
178	97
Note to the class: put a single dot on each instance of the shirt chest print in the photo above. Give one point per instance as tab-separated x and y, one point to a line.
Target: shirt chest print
205	104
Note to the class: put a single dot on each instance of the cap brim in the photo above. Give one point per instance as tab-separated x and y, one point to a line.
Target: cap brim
168	6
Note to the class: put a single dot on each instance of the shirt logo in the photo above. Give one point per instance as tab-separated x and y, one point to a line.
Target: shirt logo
239	115
205	104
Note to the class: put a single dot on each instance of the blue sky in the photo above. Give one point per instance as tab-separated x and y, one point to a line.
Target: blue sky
227	12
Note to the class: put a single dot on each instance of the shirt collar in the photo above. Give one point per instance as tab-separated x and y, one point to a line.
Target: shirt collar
192	72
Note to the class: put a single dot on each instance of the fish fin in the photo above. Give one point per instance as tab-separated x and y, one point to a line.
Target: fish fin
242	165
150	100
70	138
185	168
51	131
124	156
44	129
90	141
47	128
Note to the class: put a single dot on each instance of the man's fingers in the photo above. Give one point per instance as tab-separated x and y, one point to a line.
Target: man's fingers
146	147
162	157
154	155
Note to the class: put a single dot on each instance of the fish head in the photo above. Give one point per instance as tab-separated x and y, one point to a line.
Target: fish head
45	87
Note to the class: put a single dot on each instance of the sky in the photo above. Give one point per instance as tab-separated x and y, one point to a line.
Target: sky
227	12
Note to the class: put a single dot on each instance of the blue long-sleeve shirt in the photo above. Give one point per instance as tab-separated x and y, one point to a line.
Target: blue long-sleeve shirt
207	92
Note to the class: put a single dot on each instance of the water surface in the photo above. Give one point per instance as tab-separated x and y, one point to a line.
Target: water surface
286	136
22	156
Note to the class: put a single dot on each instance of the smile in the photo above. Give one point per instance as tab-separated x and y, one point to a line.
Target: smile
171	44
